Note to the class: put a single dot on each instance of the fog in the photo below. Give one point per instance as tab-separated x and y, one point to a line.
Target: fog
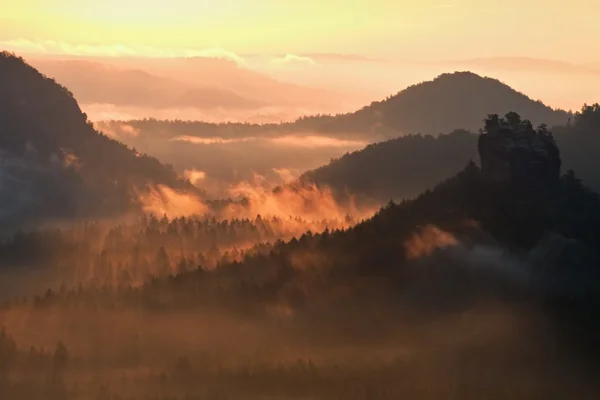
210	334
276	157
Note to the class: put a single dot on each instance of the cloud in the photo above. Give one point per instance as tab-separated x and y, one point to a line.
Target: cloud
428	239
59	47
310	141
342	57
211	140
116	129
162	200
194	175
293	58
286	174
308	202
70	160
216	52
317	141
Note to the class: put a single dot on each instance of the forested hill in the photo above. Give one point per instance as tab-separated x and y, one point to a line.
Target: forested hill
450	101
408	165
397	168
53	163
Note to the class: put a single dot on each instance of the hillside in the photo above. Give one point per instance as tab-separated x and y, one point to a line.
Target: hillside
397	168
408	165
53	163
448	102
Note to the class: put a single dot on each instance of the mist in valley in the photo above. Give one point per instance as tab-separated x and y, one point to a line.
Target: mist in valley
336	218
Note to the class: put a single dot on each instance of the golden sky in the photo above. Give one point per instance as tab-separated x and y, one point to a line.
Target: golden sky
397	29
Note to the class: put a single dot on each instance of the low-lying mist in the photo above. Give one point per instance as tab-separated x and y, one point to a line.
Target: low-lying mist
215	161
299	322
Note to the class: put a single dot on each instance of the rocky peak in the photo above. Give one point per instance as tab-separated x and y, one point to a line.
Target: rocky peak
515	155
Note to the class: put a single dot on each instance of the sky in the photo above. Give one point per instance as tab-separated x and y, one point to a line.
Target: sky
545	48
396	29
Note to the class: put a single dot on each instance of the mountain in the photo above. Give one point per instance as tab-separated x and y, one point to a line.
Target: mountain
450	101
53	163
408	165
199	83
94	82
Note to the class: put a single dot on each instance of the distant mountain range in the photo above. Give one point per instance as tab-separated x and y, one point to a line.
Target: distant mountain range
451	101
94	82
215	87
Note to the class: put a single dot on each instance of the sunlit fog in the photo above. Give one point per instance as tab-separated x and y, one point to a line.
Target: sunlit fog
277	200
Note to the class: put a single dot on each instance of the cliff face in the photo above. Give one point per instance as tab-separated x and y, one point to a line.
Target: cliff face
516	156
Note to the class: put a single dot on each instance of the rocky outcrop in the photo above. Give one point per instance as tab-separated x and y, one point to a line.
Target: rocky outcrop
516	156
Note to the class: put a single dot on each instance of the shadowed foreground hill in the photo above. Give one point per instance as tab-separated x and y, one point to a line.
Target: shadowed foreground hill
53	164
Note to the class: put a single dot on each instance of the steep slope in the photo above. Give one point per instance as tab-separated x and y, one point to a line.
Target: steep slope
450	101
54	164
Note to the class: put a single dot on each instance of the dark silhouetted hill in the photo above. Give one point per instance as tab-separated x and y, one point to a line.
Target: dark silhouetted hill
450	101
53	164
397	168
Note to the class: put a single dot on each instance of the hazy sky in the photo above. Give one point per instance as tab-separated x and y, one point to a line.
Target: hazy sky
545	48
404	29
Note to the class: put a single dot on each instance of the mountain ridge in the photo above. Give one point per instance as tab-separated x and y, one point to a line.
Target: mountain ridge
448	102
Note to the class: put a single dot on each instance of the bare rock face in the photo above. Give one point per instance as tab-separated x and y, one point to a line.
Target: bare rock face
515	156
